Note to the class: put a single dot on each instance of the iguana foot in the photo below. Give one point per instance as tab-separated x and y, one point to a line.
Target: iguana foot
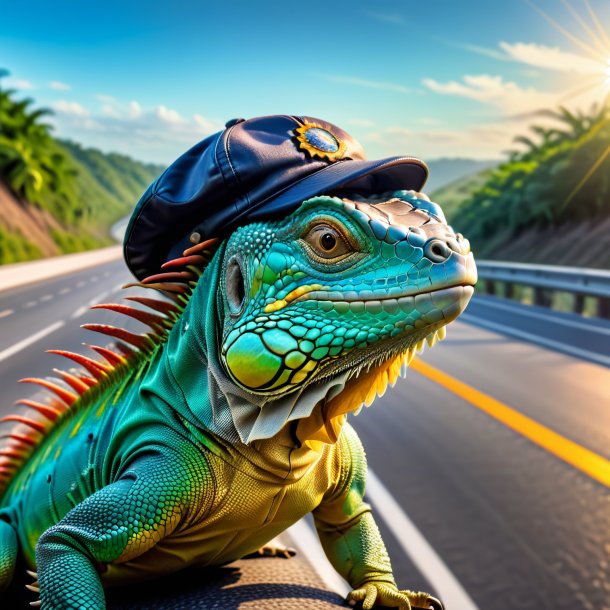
274	548
377	593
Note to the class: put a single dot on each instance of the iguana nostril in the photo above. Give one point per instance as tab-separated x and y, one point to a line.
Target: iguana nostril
437	250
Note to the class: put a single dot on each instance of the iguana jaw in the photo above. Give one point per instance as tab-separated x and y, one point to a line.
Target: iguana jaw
407	342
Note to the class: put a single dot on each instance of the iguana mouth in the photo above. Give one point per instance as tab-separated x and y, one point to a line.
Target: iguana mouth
412	338
326	295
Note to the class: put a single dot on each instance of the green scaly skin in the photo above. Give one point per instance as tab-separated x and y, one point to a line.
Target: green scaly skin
232	429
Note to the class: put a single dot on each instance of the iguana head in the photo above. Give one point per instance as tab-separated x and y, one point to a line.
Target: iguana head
342	284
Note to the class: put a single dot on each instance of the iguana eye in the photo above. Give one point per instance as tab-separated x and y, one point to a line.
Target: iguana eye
325	243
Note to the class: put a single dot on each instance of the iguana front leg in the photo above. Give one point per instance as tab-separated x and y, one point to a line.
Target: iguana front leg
115	524
353	544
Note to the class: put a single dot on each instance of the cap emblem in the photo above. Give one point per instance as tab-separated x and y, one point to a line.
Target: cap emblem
320	142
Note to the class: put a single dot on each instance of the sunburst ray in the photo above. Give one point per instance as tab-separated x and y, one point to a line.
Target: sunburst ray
586	177
599	39
589	50
598	25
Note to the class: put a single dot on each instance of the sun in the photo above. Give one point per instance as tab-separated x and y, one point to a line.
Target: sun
607	71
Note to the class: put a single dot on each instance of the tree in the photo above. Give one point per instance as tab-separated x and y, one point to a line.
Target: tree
31	163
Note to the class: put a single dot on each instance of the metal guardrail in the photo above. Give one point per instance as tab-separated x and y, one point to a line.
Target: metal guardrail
546	280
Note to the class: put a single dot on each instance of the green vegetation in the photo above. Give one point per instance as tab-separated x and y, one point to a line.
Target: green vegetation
71	194
14	248
553	190
31	162
108	185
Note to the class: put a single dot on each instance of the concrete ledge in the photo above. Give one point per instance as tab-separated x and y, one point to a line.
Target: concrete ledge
19	274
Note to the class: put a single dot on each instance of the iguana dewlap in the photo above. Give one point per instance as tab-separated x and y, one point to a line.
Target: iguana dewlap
201	441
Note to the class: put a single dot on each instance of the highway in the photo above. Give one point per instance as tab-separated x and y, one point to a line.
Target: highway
494	451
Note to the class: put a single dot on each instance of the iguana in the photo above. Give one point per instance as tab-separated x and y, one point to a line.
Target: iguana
197	443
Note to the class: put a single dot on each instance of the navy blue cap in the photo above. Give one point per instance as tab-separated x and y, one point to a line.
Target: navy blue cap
253	170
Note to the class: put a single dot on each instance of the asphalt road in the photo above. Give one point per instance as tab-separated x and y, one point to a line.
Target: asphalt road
518	515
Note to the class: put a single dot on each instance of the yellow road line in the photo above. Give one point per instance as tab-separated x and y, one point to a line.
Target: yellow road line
576	455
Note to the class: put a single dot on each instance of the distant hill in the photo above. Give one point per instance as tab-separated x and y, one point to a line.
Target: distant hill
445	170
112	183
453	194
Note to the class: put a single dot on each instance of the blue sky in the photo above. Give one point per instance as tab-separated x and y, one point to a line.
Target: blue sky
430	79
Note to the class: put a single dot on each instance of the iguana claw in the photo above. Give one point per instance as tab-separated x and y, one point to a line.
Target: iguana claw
274	548
385	594
436	604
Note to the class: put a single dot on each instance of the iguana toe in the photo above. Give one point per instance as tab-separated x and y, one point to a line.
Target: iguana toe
274	548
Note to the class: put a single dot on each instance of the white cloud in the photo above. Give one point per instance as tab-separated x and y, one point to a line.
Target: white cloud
18	83
70	108
108	99
363	82
551	58
206	126
110	111
157	133
135	110
59	86
506	96
486	52
167	115
481	141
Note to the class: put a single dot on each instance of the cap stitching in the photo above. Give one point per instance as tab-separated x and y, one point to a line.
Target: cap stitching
227	147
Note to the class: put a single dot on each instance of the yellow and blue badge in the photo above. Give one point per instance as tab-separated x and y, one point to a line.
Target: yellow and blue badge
320	142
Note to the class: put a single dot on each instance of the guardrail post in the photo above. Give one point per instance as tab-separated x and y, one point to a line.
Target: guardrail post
509	290
490	287
579	303
603	308
542	297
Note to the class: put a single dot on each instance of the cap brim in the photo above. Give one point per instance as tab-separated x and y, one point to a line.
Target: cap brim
364	177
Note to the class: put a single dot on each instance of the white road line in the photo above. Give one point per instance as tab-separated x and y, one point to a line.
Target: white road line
17	347
79	312
30	304
80	284
425	558
524	310
46	297
65	291
94	301
307	542
6	313
99	298
556	345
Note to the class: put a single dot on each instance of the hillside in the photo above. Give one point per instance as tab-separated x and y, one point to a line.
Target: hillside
549	203
56	196
550	244
444	171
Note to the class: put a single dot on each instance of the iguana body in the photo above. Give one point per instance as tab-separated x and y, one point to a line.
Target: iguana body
200	447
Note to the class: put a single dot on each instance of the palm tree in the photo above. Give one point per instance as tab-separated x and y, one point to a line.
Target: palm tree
30	162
